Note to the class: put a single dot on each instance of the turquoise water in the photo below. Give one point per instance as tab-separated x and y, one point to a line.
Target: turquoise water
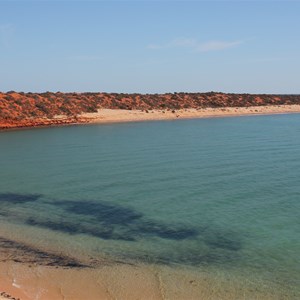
221	194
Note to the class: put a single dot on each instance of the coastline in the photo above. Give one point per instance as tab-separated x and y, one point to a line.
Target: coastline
122	281
121	115
106	116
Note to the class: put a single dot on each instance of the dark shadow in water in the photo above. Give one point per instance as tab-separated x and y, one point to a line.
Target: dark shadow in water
224	250
148	227
192	257
106	213
132	223
110	221
223	247
22	253
105	233
18	198
223	240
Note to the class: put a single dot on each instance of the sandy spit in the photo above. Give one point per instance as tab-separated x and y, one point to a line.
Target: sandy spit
121	115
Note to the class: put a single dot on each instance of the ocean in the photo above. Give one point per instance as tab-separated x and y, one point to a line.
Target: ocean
218	196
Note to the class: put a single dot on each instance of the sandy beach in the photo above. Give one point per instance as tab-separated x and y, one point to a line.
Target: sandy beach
104	115
122	115
19	281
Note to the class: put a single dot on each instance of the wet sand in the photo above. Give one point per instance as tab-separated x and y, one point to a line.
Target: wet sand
19	281
121	115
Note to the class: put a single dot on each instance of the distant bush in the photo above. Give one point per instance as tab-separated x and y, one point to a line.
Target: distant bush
43	107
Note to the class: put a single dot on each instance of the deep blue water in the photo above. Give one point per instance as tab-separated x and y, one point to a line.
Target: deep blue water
221	193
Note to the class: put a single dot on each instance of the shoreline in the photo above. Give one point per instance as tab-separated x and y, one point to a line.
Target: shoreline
26	282
20	281
104	116
107	116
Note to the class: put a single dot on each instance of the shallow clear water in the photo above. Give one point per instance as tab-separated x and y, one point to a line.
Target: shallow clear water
221	194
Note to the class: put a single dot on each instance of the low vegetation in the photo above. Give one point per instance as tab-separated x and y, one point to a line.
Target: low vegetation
17	109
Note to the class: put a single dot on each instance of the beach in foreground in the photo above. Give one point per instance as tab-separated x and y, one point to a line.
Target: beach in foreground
21	281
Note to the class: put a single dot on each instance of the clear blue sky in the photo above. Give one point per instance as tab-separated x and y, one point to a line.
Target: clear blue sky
150	46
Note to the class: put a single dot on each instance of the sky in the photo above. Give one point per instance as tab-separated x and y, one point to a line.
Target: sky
150	46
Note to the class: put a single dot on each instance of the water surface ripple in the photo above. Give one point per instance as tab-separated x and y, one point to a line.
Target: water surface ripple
209	193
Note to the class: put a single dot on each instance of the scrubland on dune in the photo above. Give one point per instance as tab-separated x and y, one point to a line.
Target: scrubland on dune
18	109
